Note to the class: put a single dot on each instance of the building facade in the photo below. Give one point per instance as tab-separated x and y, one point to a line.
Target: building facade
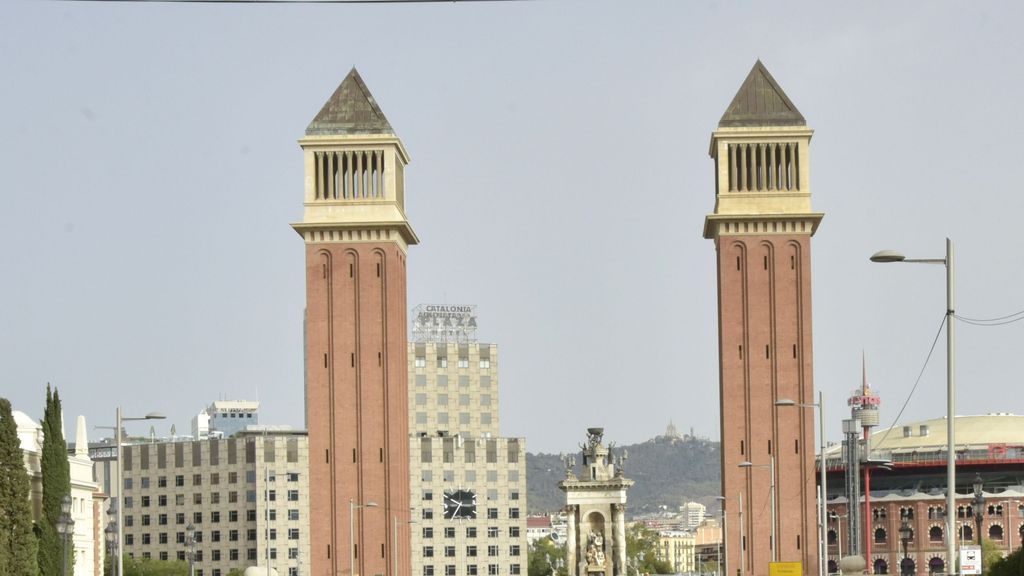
247	498
677	548
762	227
468	483
356	239
911	489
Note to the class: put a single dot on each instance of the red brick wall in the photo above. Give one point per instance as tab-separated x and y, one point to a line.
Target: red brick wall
765	355
357	404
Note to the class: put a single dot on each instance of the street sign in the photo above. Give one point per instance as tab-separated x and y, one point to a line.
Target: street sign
970	560
785	569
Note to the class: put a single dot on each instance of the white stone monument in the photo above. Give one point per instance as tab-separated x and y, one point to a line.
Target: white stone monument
595	506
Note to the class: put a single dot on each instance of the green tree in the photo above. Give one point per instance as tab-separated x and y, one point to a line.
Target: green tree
17	539
56	484
642	551
545	558
151	567
1012	565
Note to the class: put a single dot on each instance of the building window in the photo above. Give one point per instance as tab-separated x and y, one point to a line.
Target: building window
471	532
449	551
293	495
428	570
428	551
197	479
463	362
428	532
428	514
161	481
513	513
449	531
293	533
492	550
145	519
232	515
442	361
471	570
449	570
293	476
420	362
197	517
492	570
293	513
272	495
145	501
492	531
514	569
513	550
485	363
492	513
471	551
513	531
233	535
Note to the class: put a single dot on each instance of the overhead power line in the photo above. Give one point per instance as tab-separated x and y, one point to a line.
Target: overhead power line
1008	319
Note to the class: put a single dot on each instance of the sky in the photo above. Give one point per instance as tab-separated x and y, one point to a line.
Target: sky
559	180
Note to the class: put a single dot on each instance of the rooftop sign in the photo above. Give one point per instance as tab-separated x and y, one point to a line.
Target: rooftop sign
444	323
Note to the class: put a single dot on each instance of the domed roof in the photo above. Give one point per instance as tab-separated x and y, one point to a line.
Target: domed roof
23	420
980	430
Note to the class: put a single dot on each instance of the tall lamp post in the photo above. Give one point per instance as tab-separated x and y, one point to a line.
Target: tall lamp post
838	518
979	514
771	466
352	507
822	507
905	533
190	547
120	420
394	543
885	256
65	527
722	544
109	533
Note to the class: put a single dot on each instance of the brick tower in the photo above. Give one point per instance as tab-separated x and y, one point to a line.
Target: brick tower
762	227
356	237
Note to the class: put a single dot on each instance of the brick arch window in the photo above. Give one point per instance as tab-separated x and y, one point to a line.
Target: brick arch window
995	532
967	531
935	534
880	535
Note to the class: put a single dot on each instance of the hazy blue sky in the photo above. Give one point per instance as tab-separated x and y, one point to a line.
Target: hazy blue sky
559	179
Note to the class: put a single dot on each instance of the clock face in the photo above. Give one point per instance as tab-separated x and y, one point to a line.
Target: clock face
459	504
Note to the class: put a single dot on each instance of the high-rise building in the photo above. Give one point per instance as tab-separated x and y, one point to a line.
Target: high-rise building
225	417
693	514
356	237
468	484
245	497
762	227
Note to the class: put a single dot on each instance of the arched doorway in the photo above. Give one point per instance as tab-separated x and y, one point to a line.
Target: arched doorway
881	566
907	566
936	565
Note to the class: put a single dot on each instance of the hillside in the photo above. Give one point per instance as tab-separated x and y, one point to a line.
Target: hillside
668	471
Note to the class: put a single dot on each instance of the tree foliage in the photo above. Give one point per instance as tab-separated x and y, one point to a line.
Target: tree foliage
17	539
56	484
642	551
545	558
151	567
1012	565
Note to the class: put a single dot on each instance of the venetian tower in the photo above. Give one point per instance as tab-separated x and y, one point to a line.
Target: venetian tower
595	511
356	237
762	227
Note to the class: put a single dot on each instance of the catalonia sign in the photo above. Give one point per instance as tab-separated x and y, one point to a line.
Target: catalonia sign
970	560
785	569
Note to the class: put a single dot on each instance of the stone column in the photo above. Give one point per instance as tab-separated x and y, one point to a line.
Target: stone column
571	545
619	527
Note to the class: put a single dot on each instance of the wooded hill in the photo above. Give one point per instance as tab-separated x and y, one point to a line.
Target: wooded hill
668	470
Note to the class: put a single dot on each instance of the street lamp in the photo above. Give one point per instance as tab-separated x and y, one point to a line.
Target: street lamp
120	420
65	527
823	507
886	256
979	514
352	507
721	541
190	546
839	532
109	534
394	567
905	534
771	466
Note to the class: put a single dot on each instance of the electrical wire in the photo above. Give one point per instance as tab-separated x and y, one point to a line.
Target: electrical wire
1009	319
916	382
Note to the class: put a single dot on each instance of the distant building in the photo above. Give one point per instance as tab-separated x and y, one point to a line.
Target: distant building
225	418
693	514
677	548
538	527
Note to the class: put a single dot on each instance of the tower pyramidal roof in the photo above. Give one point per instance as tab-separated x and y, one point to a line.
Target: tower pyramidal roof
350	110
760	101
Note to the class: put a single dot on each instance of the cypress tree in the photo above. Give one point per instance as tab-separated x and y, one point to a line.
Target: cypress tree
56	474
17	540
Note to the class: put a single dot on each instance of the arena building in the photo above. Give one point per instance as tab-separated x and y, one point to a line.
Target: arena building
910	488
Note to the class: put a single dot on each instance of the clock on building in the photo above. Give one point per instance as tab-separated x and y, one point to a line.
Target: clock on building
459	504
